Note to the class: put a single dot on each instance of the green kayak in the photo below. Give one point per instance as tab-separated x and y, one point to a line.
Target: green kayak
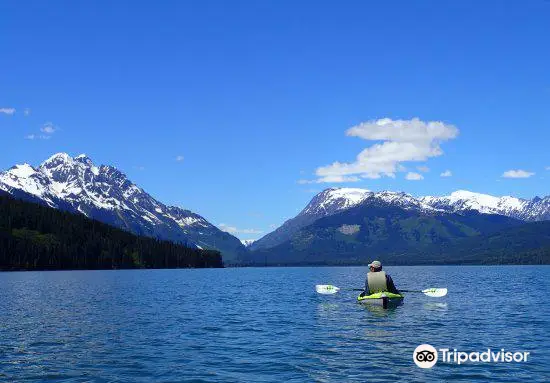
385	299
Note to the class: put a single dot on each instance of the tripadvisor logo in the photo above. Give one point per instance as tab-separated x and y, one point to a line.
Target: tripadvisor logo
426	356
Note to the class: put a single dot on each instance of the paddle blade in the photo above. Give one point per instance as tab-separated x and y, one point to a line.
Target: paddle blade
326	289
435	293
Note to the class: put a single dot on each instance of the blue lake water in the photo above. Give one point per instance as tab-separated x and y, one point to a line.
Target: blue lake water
267	325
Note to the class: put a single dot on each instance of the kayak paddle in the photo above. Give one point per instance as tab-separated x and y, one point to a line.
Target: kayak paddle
331	289
431	292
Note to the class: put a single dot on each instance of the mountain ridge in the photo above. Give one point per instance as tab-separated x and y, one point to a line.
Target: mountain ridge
377	229
334	200
106	194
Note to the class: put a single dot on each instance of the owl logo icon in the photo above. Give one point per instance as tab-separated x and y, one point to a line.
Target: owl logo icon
425	356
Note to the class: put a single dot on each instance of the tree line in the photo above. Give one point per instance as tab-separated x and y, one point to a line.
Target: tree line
37	237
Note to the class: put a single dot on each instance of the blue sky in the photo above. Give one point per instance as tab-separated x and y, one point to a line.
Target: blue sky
257	96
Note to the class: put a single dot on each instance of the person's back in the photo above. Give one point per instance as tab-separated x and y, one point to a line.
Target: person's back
378	281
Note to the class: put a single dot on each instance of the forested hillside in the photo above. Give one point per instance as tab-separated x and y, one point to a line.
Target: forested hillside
397	236
36	237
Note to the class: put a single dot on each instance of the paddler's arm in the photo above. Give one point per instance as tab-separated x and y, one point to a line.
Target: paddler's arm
391	286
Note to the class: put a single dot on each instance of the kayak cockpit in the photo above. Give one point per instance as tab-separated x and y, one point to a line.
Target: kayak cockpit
384	299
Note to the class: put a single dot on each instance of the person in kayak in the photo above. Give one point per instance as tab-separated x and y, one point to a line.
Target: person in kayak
378	281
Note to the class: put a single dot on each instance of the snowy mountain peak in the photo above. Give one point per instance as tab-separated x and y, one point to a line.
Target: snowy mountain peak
479	198
536	209
106	194
353	195
331	200
57	159
334	200
84	159
247	242
22	171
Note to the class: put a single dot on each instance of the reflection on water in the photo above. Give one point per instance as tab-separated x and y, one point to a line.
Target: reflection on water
327	307
379	311
436	306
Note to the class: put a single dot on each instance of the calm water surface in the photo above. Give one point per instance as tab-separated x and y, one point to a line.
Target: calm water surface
267	325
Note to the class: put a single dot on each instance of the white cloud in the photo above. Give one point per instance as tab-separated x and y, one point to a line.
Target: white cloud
27	112
412	176
48	128
37	137
548	168
403	141
8	111
179	158
423	169
446	173
517	174
233	230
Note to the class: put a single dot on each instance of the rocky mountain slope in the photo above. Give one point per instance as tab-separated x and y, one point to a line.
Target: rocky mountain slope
106	194
377	229
335	200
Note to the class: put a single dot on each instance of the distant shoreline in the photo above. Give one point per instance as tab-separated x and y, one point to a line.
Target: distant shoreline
275	266
385	264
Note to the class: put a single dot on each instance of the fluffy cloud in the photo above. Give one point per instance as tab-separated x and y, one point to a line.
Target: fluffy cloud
8	111
48	128
411	176
179	158
517	174
402	141
446	173
234	230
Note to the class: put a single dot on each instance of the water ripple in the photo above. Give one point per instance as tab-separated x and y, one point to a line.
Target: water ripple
266	325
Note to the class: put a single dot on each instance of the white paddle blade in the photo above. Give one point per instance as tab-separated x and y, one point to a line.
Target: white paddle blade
326	289
435	293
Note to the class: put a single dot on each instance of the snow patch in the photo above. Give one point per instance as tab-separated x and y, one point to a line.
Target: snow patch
22	171
247	242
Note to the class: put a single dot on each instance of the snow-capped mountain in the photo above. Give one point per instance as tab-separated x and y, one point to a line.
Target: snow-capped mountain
327	202
536	209
336	200
106	194
333	200
247	242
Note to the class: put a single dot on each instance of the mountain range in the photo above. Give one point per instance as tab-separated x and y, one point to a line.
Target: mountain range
348	225
104	193
336	200
337	225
